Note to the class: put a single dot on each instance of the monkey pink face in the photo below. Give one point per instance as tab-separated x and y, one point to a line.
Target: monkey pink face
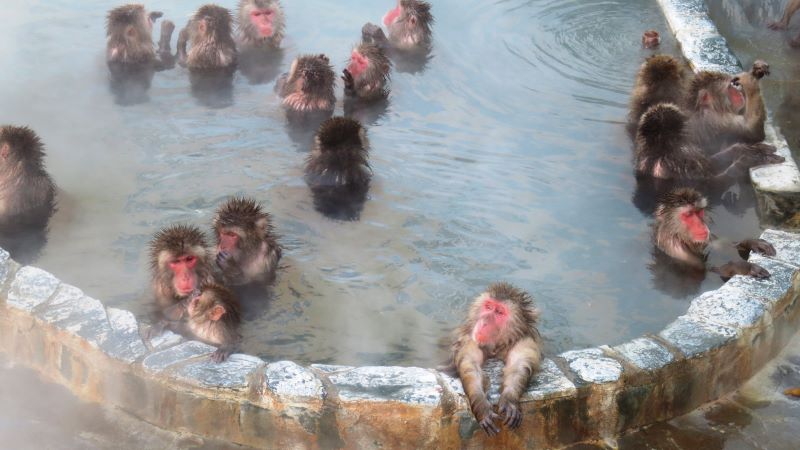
735	95
228	240
358	64
695	225
492	319
392	15
262	20
184	278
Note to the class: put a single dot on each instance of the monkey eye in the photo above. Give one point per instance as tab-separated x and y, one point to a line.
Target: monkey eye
735	82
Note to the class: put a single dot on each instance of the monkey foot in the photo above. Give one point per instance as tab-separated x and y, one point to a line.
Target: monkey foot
220	355
488	425
513	416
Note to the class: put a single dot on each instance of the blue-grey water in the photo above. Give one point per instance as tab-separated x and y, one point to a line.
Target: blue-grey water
503	158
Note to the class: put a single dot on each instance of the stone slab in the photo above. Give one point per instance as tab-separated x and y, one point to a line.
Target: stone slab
31	287
645	353
401	384
787	245
160	361
123	342
7	266
549	382
70	310
231	374
165	339
728	306
331	368
288	379
694	338
591	365
766	291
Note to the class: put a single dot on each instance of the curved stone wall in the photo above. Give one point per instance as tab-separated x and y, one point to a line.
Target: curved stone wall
579	395
589	394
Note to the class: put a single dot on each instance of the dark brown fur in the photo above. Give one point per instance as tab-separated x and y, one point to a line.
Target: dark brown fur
661	79
129	30
373	83
518	345
209	35
308	87
714	124
256	256
247	32
170	243
27	193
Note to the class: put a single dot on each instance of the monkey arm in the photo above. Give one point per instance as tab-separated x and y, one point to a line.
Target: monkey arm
183	39
521	361
755	113
165	59
788	12
469	363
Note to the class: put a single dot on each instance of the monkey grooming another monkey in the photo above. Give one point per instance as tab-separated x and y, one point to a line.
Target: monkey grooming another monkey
260	24
211	315
367	74
680	231
209	35
247	250
661	79
501	323
791	7
337	170
409	26
179	263
726	109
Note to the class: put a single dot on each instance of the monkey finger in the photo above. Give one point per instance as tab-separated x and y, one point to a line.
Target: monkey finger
488	424
764	247
778	25
155	15
219	356
758	272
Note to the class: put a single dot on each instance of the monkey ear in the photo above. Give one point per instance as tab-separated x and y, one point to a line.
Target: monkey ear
5	149
131	32
216	313
261	224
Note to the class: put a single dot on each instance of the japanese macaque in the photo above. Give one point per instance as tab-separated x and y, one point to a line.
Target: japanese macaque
680	231
27	193
663	151
129	29
661	78
209	35
247	249
337	170
260	23
650	39
179	263
409	26
210	314
726	109
308	87
501	323
791	7
367	74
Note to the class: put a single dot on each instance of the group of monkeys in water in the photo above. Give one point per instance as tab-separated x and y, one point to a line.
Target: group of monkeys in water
692	133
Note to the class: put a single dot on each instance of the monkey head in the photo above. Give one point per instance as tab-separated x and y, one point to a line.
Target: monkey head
409	23
658	69
213	22
131	20
211	303
178	256
261	18
309	84
20	145
716	91
501	316
239	224
680	226
650	39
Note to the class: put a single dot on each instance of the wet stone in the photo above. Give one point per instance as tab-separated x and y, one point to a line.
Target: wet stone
549	382
591	365
403	384
694	338
7	266
288	379
31	287
645	353
71	310
123	341
727	306
165	340
777	178
330	368
160	361
766	291
230	374
787	245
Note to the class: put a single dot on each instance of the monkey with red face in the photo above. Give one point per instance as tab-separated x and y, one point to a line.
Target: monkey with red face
680	231
260	24
409	25
179	263
501	323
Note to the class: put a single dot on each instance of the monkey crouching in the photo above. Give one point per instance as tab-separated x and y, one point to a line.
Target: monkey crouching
501	324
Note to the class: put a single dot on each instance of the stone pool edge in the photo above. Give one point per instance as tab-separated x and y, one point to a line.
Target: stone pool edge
777	186
580	395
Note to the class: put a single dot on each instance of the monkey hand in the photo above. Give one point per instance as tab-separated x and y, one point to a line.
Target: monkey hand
349	81
756	245
155	331
167	27
487	423
777	25
155	15
222	258
760	69
220	355
372	34
795	42
726	271
513	416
